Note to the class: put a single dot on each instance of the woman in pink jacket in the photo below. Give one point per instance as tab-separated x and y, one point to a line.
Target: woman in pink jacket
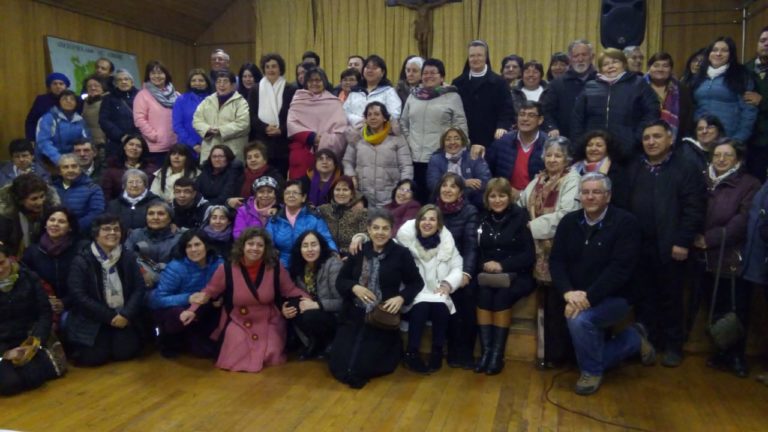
153	110
316	121
252	328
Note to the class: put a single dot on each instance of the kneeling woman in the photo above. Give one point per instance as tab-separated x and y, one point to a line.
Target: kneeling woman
25	324
188	273
253	284
107	293
371	279
314	268
440	266
505	246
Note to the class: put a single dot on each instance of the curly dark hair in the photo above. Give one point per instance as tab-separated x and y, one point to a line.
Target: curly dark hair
580	152
25	185
270	253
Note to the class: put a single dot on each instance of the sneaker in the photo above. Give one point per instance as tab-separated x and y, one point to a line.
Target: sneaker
647	351
588	384
413	361
672	358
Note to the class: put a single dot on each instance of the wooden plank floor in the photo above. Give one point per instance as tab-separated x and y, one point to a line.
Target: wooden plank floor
155	394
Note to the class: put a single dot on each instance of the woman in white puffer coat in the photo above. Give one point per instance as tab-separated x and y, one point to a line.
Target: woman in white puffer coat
440	265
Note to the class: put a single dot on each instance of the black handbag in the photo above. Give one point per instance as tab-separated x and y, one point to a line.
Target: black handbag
727	330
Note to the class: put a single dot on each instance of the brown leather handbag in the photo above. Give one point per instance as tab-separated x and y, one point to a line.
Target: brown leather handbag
382	319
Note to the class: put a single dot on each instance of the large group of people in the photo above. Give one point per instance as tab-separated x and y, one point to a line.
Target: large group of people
251	215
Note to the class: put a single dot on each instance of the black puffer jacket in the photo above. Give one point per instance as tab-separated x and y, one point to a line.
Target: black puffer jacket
132	216
506	239
558	101
463	228
116	114
54	270
24	310
217	188
621	108
89	309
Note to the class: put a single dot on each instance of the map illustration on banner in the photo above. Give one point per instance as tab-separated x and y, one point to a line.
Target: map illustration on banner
77	60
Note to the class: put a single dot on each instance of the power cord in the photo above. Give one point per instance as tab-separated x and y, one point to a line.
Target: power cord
584	414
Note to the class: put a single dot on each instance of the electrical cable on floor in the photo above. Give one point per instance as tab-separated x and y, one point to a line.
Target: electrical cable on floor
584	414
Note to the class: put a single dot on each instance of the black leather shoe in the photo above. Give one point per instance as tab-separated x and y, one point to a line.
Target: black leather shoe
311	351
435	361
413	362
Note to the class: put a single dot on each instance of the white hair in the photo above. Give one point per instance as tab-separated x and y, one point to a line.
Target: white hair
418	61
573	44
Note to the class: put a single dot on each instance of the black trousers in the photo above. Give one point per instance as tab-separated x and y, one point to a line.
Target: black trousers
422	193
418	316
14	380
659	300
757	161
558	347
112	344
462	326
316	324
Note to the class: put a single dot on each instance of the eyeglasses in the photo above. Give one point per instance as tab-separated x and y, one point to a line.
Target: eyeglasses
292	193
705	128
404	190
109	229
134	183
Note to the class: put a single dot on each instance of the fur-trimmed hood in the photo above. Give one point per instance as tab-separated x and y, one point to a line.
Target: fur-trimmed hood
8	207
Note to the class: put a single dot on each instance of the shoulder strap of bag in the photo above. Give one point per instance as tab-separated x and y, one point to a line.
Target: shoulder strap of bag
718	272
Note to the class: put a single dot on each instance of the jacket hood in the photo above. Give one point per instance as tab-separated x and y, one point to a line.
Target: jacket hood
63	117
8	207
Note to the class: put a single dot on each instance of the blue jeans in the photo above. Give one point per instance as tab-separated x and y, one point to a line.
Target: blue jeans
594	353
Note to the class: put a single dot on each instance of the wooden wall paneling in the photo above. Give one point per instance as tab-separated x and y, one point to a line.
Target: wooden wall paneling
183	20
23	26
692	24
233	31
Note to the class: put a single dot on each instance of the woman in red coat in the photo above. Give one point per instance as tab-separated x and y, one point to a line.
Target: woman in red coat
253	283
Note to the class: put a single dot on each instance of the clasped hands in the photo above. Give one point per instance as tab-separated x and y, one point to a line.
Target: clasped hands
576	302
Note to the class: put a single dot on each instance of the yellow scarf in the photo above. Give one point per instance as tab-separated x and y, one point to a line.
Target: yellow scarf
377	138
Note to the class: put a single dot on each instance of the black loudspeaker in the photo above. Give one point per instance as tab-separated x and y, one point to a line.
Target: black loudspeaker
622	23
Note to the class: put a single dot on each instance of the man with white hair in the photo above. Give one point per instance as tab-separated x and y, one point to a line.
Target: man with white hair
219	62
559	99
593	256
